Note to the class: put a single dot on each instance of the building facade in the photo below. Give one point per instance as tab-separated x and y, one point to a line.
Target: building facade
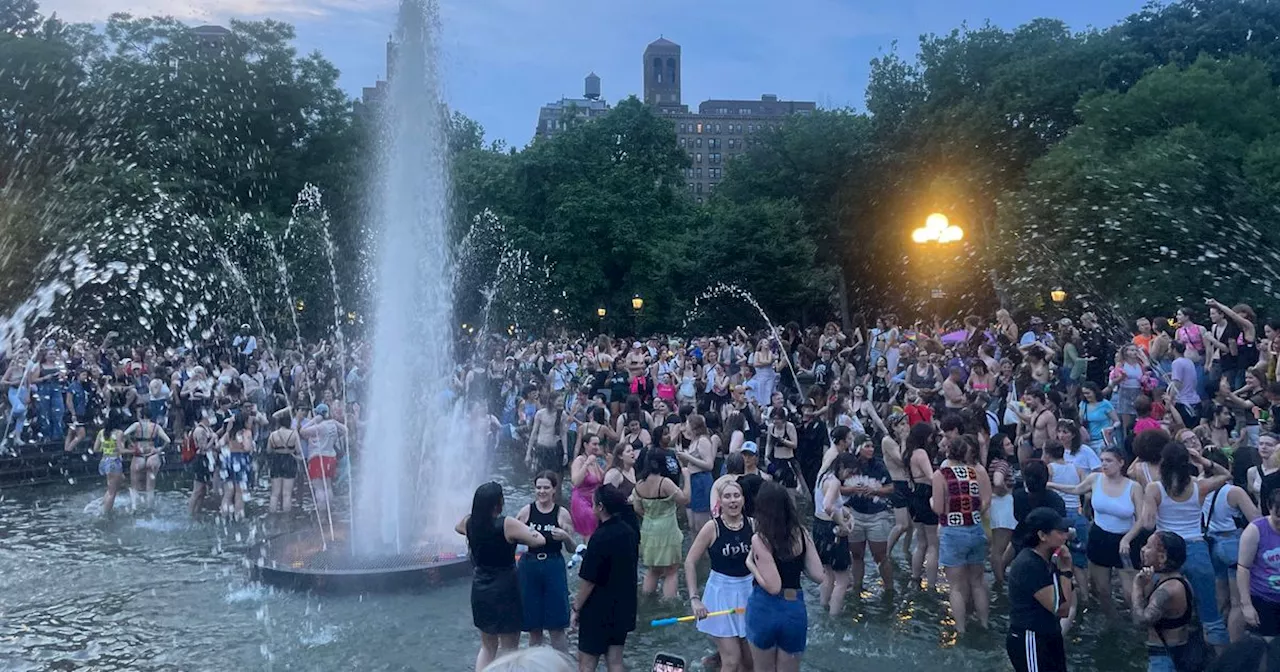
557	116
720	130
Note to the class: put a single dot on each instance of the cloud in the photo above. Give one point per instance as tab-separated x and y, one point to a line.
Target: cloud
210	10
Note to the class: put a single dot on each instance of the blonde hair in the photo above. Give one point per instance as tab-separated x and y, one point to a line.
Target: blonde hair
533	659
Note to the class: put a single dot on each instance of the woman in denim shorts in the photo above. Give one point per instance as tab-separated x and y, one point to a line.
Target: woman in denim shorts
1220	512
781	550
961	493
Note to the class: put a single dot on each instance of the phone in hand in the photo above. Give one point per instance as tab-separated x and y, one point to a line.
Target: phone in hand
665	662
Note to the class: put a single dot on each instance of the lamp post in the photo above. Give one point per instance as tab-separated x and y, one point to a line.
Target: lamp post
637	306
937	229
600	313
300	305
1058	295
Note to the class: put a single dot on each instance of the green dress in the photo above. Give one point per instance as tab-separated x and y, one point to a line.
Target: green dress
660	536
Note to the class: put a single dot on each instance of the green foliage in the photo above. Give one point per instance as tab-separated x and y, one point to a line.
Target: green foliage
1163	194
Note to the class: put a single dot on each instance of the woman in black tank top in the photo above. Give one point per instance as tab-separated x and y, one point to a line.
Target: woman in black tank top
495	591
544	580
727	540
777	623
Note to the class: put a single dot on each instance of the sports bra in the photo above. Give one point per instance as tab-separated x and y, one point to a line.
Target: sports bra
1177	621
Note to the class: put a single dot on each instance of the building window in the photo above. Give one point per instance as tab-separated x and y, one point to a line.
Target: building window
711	188
697	172
713	143
699	187
682	128
713	158
691	187
699	127
698	158
671	70
682	142
717	128
751	128
739	129
744	110
699	142
733	143
657	70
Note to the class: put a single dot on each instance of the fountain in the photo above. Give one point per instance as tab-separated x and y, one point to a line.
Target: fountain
419	466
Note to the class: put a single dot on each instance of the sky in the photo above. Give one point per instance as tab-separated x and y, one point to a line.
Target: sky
504	59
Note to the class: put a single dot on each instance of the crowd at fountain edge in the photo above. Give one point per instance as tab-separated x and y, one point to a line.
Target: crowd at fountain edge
1087	474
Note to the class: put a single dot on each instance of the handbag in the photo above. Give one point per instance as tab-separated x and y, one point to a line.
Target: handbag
1196	655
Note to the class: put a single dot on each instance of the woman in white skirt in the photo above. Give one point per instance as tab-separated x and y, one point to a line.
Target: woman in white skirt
727	539
1001	514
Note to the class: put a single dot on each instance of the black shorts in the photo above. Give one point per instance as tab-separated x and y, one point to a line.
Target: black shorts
595	640
920	506
833	549
1268	617
900	498
496	608
202	468
548	458
786	472
282	465
1102	548
1034	652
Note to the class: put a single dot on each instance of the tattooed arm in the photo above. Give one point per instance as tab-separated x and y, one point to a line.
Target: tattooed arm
1148	609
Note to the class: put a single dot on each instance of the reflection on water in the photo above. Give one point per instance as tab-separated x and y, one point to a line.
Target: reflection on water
157	593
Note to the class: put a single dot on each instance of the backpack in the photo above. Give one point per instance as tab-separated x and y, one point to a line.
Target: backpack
189	449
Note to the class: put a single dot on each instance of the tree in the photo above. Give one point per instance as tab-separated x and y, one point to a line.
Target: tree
1161	196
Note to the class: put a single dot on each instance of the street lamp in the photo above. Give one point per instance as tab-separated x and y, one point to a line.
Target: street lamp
601	312
300	305
1058	295
937	229
637	303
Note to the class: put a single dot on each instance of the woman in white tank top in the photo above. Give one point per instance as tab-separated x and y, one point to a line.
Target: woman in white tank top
1067	476
1173	503
1116	501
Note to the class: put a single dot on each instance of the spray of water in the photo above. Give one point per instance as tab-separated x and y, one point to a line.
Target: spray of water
418	471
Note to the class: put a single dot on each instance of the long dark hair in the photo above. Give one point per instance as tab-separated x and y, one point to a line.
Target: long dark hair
921	438
1175	468
485	507
776	520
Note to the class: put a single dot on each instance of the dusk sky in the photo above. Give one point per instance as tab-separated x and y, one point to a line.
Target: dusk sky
503	59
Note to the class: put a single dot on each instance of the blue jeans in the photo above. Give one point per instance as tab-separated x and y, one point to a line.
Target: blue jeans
1159	663
1199	572
52	407
17	410
960	545
775	622
1226	548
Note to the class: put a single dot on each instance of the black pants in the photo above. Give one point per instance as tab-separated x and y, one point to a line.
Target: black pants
1034	652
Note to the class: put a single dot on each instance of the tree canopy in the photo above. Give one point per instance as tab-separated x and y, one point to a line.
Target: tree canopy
1134	166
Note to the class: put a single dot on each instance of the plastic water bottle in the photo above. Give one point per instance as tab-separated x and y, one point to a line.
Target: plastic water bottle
577	555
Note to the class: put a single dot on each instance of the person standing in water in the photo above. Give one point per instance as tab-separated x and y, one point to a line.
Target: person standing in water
586	473
726	540
604	609
205	465
495	588
322	434
283	454
544	580
149	441
1040	593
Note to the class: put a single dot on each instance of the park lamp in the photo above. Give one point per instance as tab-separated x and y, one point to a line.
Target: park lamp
300	305
351	317
601	312
937	229
1058	295
637	303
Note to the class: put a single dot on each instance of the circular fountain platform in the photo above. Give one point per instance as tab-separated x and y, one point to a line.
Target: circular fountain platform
303	560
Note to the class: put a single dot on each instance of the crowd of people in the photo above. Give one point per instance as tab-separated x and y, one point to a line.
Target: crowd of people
1086	472
238	412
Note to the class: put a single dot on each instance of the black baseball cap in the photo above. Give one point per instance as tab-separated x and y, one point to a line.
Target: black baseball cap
1044	519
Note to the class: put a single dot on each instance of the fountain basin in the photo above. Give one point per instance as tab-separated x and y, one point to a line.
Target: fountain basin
302	560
